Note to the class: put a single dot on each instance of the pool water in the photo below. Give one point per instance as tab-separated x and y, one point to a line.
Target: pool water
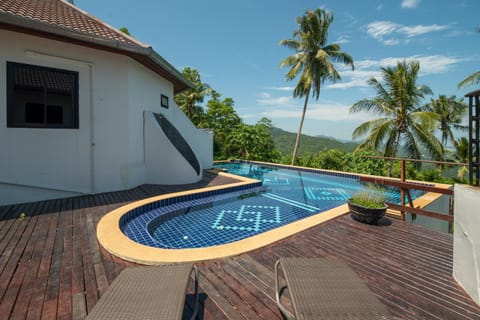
286	196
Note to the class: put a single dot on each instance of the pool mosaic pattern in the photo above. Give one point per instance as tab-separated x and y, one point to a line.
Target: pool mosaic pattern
214	219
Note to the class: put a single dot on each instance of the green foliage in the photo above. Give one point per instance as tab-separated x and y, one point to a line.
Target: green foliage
234	139
411	171
189	100
403	121
472	79
359	162
125	30
435	176
370	198
231	137
284	142
253	142
450	113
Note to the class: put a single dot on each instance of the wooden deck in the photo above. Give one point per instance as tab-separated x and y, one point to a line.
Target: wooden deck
52	267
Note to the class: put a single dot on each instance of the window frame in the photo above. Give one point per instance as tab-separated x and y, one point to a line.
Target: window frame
45	125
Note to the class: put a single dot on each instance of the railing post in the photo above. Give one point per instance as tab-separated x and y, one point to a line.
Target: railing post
450	213
402	192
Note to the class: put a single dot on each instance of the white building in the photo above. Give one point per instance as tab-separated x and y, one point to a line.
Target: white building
82	105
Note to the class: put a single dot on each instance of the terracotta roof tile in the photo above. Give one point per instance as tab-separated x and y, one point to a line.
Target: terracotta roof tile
64	15
54	17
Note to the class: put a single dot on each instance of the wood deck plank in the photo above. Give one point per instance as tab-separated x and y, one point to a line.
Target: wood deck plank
51	265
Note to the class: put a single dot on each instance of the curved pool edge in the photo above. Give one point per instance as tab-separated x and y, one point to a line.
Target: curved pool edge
117	243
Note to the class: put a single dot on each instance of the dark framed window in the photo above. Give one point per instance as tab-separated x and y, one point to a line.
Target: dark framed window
164	101
41	97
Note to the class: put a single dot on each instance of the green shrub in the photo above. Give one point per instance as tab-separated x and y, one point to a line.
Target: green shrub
370	198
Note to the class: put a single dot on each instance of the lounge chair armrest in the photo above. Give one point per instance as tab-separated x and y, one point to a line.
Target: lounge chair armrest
195	310
287	314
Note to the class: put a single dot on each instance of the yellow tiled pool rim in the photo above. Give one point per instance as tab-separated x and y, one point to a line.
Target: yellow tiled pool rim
117	243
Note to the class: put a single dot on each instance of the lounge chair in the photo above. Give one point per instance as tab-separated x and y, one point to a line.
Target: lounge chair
153	292
326	289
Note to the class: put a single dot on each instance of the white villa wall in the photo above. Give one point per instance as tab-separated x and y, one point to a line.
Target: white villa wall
466	240
109	155
201	140
45	159
164	164
163	161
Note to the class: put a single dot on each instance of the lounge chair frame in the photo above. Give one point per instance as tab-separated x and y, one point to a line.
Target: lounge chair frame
149	292
322	288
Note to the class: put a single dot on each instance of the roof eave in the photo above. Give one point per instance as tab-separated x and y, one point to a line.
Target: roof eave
139	53
475	93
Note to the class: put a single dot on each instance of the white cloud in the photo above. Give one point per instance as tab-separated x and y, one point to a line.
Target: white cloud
412	31
436	64
280	88
323	111
366	69
356	78
409	4
266	99
379	29
384	31
391	42
342	39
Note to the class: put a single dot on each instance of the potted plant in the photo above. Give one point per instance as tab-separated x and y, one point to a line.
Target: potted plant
368	206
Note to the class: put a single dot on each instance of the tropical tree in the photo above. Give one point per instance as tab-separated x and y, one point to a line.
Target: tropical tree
253	142
313	59
461	155
402	118
190	99
222	118
124	30
472	79
450	116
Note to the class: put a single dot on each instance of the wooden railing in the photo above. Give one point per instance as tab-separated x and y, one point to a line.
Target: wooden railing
406	186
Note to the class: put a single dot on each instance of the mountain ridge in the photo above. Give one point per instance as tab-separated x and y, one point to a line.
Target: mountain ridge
309	145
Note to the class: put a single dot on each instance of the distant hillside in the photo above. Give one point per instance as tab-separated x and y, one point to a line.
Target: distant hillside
284	142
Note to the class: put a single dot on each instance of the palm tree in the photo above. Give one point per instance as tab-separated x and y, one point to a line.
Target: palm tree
450	113
312	60
188	100
402	119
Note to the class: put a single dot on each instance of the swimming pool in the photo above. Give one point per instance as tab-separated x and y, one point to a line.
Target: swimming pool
285	196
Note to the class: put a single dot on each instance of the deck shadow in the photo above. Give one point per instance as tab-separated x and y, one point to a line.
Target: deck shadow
114	199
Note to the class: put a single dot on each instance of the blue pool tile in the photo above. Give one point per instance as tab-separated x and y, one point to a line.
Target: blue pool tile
230	214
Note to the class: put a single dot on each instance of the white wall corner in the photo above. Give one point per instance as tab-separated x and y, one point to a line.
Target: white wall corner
466	239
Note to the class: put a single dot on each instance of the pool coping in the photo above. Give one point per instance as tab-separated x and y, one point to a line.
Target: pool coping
117	243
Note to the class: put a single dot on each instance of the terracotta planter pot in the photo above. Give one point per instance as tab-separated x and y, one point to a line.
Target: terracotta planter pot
366	215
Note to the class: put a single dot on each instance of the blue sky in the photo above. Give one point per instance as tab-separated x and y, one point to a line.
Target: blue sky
235	46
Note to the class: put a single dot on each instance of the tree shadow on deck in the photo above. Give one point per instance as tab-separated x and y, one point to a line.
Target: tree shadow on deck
107	199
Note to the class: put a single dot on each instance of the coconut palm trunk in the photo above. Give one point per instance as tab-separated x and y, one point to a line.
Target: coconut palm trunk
299	133
394	152
312	60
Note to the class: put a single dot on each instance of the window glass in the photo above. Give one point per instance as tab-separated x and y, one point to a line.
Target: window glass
41	97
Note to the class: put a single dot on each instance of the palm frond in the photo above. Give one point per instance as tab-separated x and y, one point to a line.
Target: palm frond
429	142
474	78
290	43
